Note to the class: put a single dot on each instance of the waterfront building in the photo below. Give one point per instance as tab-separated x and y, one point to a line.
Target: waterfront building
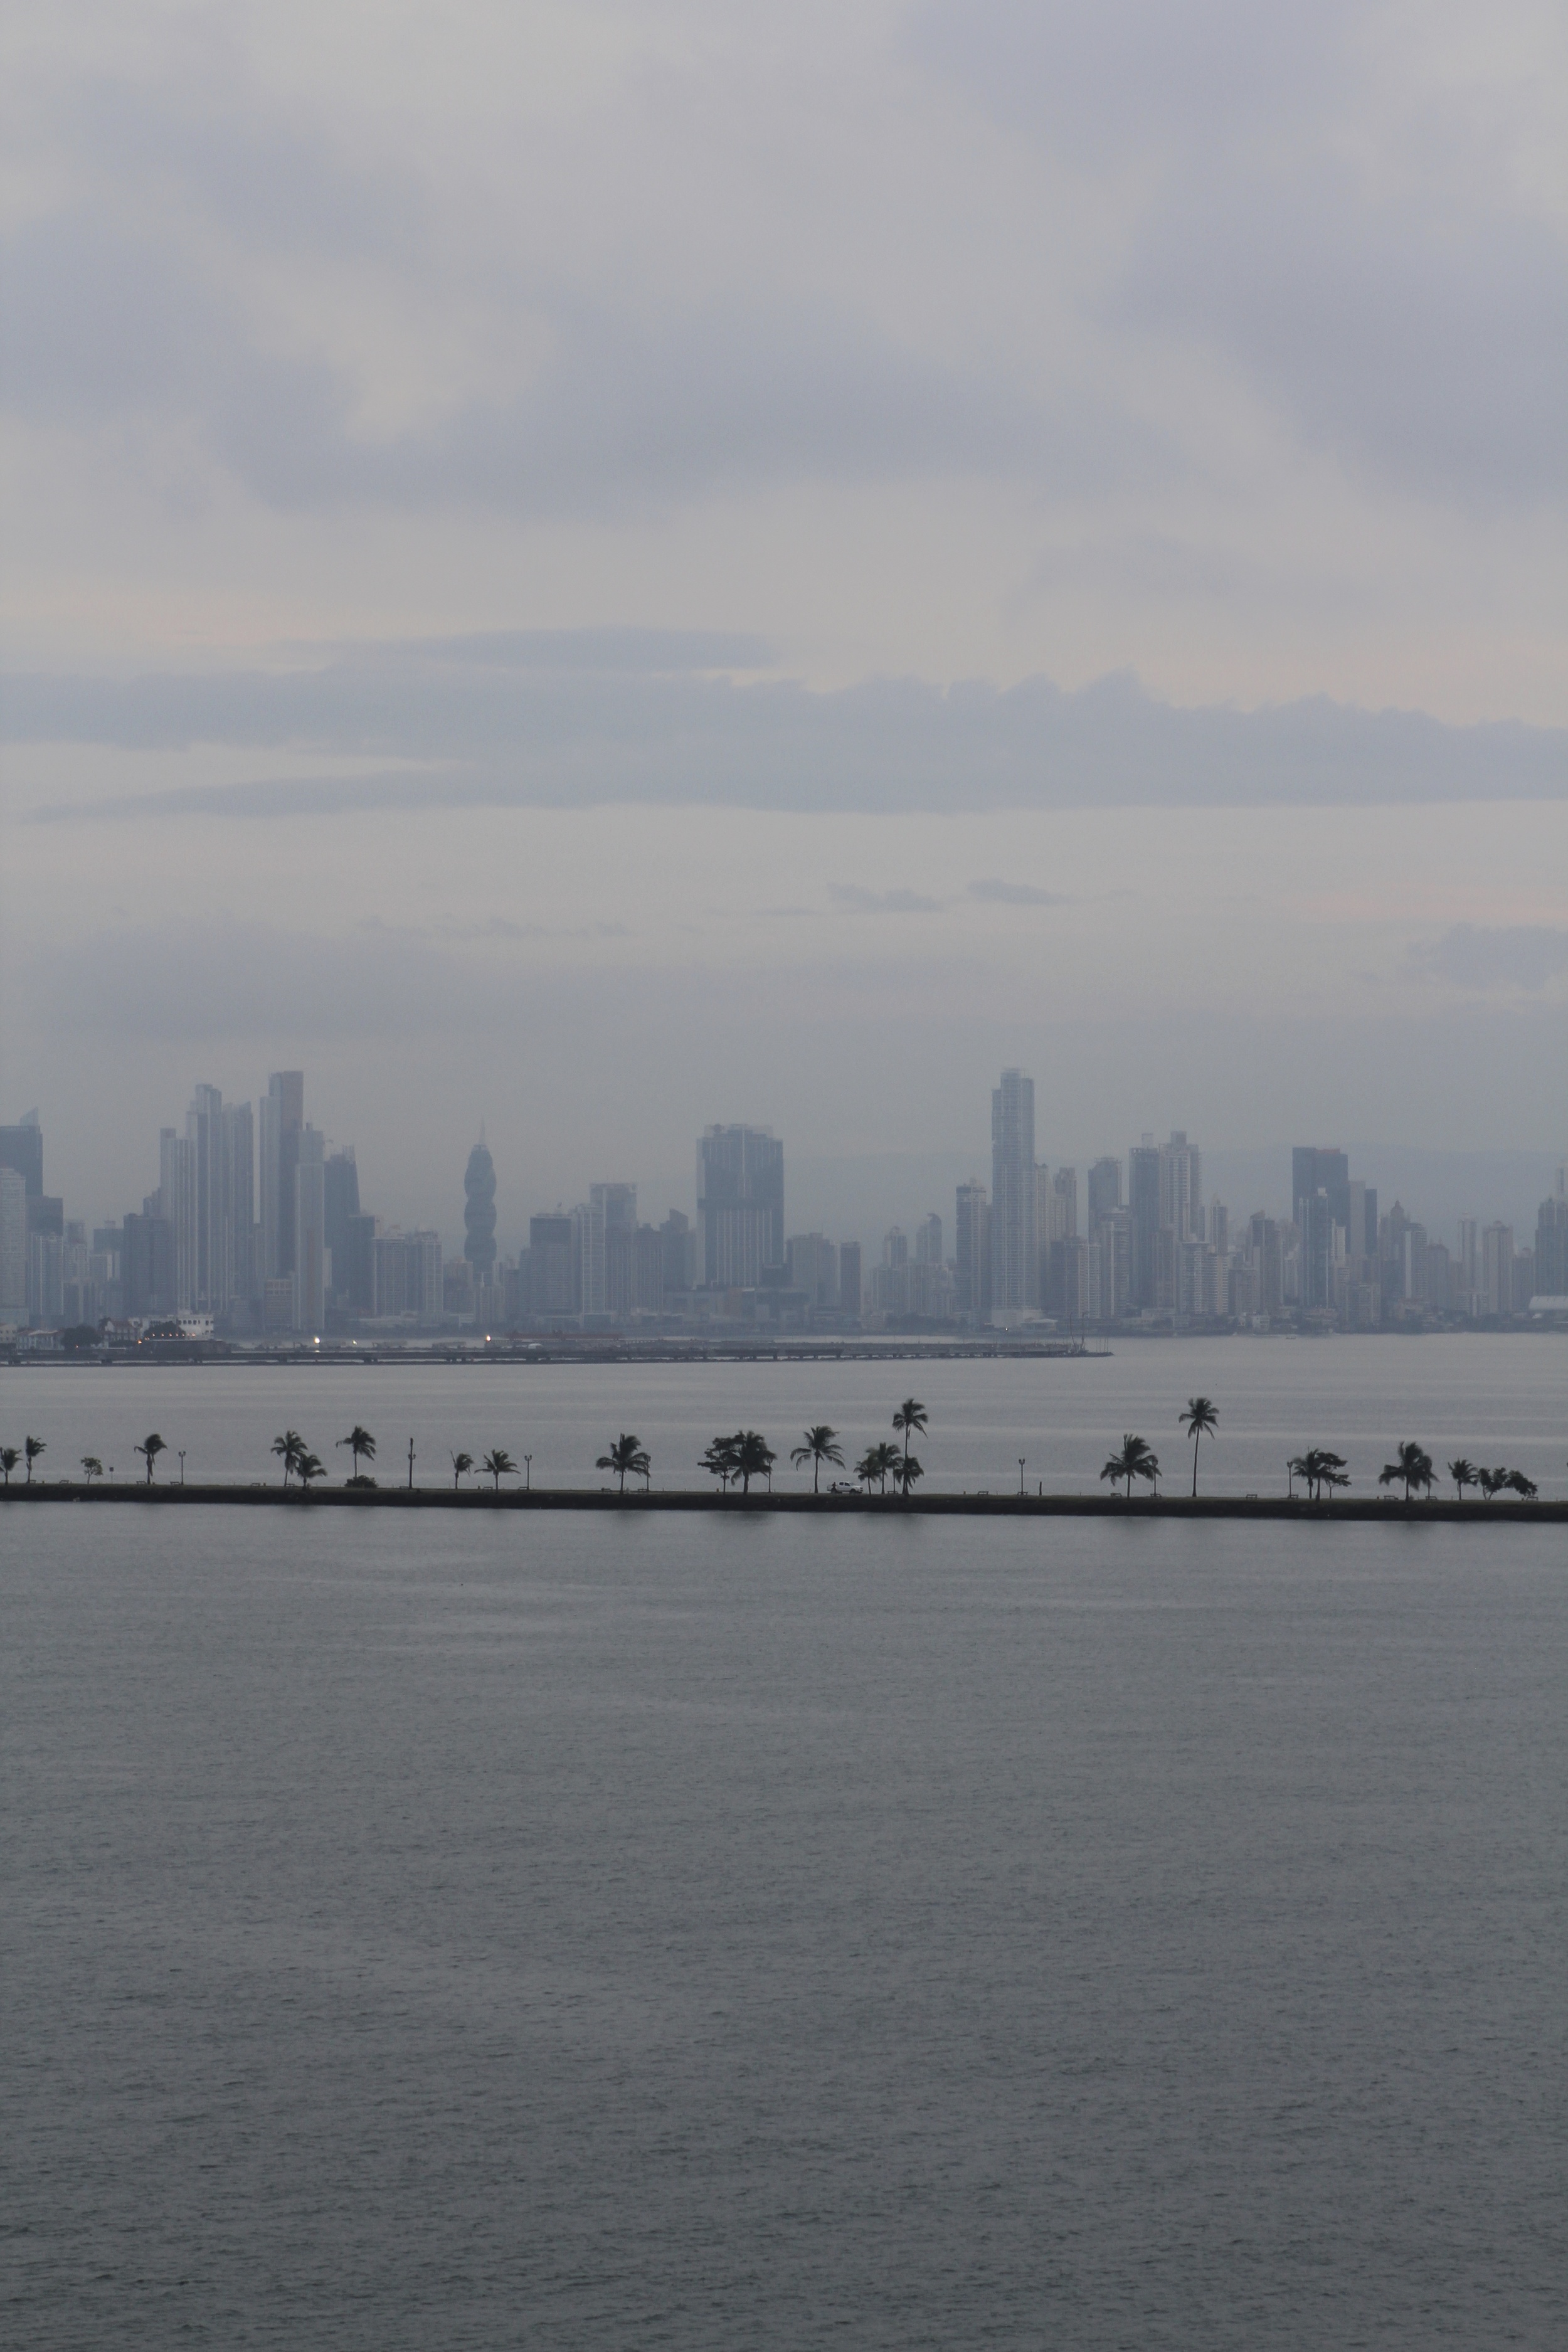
1014	1250
740	1204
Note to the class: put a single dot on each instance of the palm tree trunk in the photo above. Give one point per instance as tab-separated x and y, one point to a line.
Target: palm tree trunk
1195	1444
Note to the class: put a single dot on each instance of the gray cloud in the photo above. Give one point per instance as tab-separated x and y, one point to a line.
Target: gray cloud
488	733
1016	894
1474	956
858	901
1412	315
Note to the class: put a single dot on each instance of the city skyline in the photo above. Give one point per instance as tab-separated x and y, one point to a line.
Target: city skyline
260	1228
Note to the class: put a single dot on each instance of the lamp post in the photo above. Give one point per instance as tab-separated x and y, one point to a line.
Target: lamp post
1022	1459
411	1465
182	1466
528	1473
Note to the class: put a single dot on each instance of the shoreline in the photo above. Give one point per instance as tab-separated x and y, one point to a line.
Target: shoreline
980	1505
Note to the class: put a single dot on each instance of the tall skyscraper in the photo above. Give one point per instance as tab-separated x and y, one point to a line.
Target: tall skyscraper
310	1231
1144	1201
13	1244
346	1241
1181	1188
972	1244
177	1205
740	1204
1014	1252
480	1212
1104	1189
22	1150
282	1118
550	1265
850	1291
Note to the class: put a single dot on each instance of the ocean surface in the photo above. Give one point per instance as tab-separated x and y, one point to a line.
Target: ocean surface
624	1933
1496	1398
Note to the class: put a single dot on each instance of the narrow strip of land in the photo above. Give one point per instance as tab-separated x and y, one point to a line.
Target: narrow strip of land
1380	1508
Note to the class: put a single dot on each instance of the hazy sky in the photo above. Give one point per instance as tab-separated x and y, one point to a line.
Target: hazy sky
608	567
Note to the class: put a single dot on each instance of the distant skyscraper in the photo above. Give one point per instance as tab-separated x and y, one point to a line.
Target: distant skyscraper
1181	1188
282	1118
310	1231
347	1245
177	1205
480	1213
550	1265
1104	1191
13	1244
850	1279
1143	1200
927	1241
740	1204
22	1150
1014	1252
971	1244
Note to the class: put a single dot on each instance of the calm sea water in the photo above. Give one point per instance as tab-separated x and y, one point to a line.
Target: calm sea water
1496	1399
639	1933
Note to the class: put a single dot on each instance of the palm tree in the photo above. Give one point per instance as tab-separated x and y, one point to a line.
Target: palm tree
289	1448
461	1464
819	1447
877	1465
358	1441
1200	1419
92	1467
308	1466
720	1460
624	1457
1491	1482
1320	1469
754	1457
31	1447
1525	1489
1134	1461
498	1466
9	1457
909	1469
1414	1467
1463	1475
150	1449
910	1417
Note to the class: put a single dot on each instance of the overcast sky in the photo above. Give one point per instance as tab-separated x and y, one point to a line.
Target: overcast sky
603	568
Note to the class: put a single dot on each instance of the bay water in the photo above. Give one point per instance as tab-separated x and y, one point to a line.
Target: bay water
562	1933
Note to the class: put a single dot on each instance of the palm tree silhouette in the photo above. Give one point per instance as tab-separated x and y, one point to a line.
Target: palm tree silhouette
461	1465
878	1463
910	1417
91	1467
624	1457
308	1466
1525	1489
9	1457
1200	1419
289	1448
150	1449
819	1447
1463	1473
31	1447
1414	1467
755	1458
1320	1469
1134	1461
498	1466
358	1441
909	1469
1491	1482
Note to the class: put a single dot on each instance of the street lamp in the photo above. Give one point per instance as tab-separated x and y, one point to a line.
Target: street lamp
182	1466
528	1473
1022	1459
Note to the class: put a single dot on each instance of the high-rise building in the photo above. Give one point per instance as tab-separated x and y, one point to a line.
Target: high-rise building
480	1212
177	1205
812	1262
850	1293
928	1240
1144	1201
1015	1251
1181	1188
1497	1270
22	1150
282	1119
346	1244
310	1231
1552	1247
222	1140
1104	1189
13	1244
549	1288
740	1204
972	1246
147	1267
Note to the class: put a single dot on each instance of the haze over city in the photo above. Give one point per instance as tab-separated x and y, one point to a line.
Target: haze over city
598	570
